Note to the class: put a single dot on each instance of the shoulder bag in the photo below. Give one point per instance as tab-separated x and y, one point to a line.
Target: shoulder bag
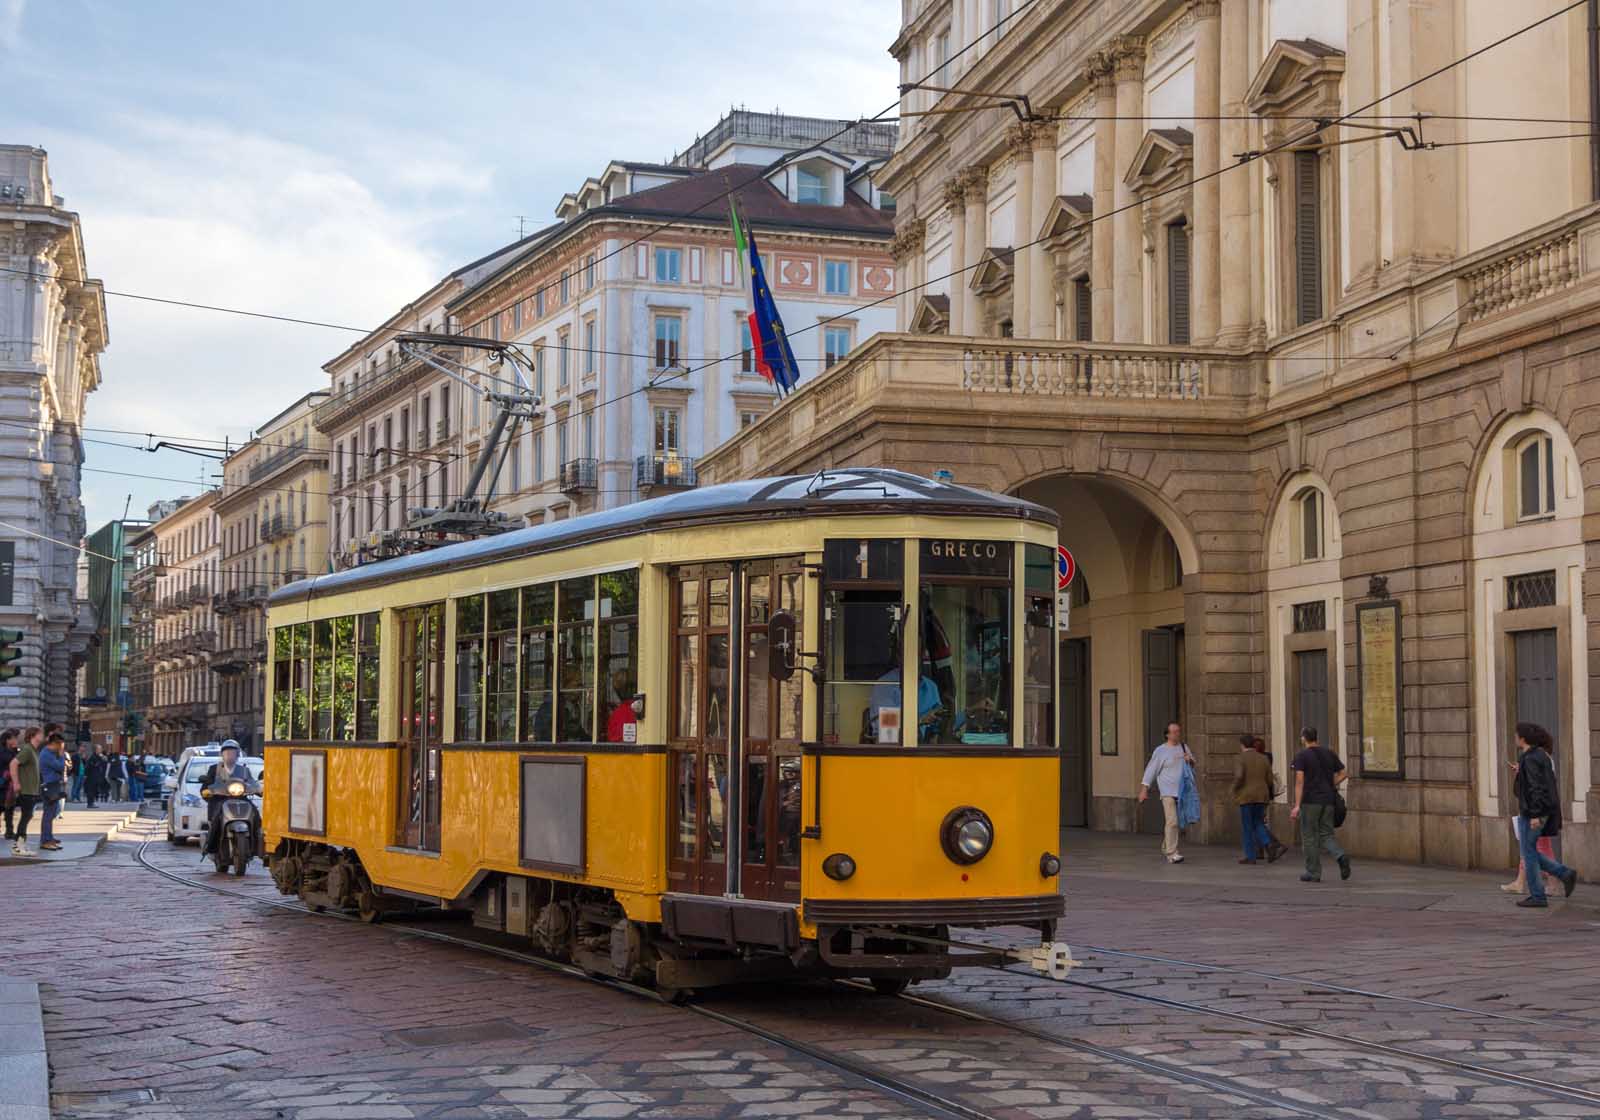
1340	809
52	791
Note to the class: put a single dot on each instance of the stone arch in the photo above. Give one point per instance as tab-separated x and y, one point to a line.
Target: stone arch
1160	505
1526	603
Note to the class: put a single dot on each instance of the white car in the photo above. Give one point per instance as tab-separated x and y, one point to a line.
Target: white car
187	816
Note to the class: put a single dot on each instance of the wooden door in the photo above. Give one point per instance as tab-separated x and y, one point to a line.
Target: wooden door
769	750
1311	696
697	818
1075	753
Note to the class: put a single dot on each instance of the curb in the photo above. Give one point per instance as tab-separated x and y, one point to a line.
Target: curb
8	860
23	1069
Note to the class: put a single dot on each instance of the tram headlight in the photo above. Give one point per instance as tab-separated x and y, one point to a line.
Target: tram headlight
839	866
966	835
1049	865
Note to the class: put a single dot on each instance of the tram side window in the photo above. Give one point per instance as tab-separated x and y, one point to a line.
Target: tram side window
964	685
282	675
322	679
619	653
1039	647
862	616
300	683
575	672
366	681
538	664
344	676
469	669
501	724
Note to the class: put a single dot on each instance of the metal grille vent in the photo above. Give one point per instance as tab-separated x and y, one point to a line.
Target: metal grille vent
1531	589
1310	617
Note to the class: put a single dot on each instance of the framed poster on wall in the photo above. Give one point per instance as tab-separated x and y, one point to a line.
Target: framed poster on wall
308	792
1108	721
1381	721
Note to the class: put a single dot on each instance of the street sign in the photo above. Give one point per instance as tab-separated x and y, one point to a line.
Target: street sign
8	570
1066	568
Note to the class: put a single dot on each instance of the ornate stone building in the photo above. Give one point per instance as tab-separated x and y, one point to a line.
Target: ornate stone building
1315	398
52	330
183	566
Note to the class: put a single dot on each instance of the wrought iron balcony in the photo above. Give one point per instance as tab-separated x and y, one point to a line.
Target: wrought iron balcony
580	476
664	471
238	657
281	458
276	526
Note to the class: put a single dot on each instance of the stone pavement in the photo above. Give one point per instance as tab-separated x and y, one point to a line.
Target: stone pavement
81	830
161	1000
25	1094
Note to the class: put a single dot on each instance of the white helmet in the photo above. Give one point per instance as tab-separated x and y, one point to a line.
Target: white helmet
226	743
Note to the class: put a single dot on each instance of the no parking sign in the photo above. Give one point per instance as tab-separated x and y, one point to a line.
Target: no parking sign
1066	569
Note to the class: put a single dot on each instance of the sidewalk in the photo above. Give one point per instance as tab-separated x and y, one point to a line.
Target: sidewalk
23	1071
82	833
1121	864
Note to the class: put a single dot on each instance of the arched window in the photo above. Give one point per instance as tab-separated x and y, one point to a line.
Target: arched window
1536	478
1308	523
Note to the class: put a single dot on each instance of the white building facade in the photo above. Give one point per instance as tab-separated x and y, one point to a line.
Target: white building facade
52	331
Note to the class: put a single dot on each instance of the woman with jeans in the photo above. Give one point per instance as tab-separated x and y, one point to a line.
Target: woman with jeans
52	789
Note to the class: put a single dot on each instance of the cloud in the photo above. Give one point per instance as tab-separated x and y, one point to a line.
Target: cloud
11	24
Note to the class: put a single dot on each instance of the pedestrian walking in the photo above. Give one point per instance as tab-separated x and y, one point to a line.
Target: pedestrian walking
8	792
136	777
25	777
94	782
52	789
1539	800
1317	775
1254	785
1165	772
79	770
117	777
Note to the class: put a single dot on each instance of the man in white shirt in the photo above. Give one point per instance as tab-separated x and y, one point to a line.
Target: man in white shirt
1165	772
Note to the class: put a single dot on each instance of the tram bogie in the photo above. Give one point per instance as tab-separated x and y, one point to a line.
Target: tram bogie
668	743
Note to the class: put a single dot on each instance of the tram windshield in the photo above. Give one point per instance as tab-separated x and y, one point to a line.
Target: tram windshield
966	641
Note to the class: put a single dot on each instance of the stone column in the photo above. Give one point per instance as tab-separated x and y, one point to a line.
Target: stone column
1041	310
1205	308
955	199
909	263
1102	232
976	181
1019	139
1127	281
1425	202
1233	186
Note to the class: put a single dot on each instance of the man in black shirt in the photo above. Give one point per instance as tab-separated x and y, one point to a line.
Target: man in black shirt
1317	774
1539	801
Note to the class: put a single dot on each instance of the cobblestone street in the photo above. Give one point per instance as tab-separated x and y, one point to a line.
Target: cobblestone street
162	1000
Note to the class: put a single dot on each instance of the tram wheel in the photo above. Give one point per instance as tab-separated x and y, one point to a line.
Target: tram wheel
676	996
890	985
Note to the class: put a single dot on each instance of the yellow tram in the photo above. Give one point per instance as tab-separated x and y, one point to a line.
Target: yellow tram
669	741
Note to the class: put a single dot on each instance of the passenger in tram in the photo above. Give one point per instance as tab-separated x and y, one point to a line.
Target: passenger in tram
886	694
624	711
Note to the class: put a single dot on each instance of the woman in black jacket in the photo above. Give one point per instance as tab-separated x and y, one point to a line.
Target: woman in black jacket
1539	801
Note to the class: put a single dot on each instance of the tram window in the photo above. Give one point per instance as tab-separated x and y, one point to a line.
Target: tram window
1039	647
322	679
619	653
964	679
862	612
791	589
300	684
367	677
344	677
501	721
575	674
538	669
282	692
469	669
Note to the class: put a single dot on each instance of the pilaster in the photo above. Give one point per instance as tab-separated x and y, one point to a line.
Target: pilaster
1041	311
955	198
1205	306
1127	58
1019	138
1102	270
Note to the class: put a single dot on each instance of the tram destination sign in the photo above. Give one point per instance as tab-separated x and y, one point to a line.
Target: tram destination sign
957	556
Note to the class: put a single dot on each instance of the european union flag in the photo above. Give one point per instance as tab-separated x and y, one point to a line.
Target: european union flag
768	327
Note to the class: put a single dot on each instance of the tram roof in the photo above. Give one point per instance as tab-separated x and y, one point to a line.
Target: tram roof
853	490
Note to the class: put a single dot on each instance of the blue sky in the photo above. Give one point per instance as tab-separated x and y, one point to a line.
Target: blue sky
330	161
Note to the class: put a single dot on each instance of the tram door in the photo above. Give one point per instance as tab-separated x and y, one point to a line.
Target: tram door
697	744
421	696
770	848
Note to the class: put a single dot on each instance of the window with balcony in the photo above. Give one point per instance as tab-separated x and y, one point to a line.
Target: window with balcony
669	266
538	457
444	411
836	278
563	360
561	441
1307	238
835	345
1178	282
405	429
668	333
589	346
538	371
588	435
668	422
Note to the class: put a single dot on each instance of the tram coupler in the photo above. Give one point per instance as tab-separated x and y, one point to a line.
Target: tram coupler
1052	959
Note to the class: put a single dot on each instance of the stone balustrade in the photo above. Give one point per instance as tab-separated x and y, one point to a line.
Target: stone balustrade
1523	275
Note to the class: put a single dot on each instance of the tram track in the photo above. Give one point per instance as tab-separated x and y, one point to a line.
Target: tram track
898	1088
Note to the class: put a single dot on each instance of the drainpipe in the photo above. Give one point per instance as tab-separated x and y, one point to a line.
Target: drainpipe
1594	98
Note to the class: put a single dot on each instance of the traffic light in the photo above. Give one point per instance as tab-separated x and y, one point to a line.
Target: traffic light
10	654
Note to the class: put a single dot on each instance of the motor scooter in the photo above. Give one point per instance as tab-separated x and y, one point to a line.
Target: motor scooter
238	824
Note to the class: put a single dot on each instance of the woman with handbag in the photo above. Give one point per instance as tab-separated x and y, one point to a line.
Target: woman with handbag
25	780
52	789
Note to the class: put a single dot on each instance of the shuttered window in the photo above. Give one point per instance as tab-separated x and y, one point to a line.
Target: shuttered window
1083	318
1307	238
1178	283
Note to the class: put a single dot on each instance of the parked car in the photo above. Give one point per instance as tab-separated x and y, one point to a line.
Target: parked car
160	776
186	809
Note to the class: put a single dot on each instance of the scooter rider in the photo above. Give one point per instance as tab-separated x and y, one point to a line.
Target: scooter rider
213	788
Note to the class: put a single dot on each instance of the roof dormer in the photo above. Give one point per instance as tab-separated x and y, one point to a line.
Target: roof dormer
814	179
567	208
